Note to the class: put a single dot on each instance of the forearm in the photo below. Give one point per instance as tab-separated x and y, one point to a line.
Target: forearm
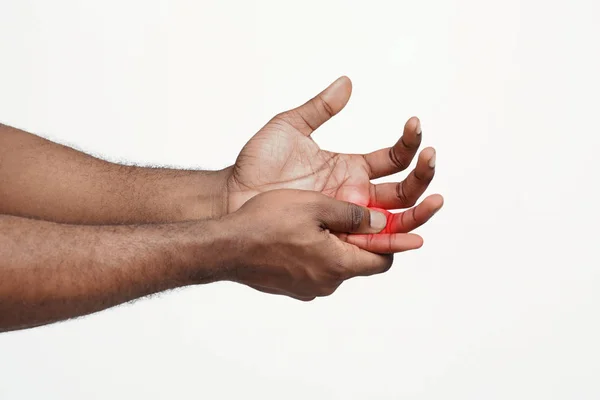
45	180
50	272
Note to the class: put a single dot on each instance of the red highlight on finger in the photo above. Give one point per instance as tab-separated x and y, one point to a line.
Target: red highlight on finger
392	239
411	219
390	226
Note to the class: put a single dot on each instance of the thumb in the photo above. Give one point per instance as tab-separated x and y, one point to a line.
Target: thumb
322	107
343	217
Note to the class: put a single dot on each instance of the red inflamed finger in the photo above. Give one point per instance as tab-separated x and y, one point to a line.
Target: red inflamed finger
390	220
412	218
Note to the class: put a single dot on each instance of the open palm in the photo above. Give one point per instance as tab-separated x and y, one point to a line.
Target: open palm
283	155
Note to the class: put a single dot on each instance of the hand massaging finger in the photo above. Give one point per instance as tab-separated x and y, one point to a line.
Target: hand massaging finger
393	221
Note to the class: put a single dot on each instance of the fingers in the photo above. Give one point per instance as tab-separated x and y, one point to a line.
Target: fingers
364	263
344	217
410	220
397	158
318	110
406	193
386	243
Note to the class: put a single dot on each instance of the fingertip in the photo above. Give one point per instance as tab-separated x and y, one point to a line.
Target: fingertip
426	154
341	82
432	160
418	241
426	163
346	80
337	95
442	200
437	201
413	125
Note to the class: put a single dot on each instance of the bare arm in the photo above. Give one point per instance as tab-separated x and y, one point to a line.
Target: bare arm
278	242
50	271
45	180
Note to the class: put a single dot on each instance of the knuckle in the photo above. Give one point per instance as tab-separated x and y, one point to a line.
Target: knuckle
355	216
336	273
413	214
403	197
326	107
412	145
339	271
317	211
343	268
423	178
344	273
398	161
370	239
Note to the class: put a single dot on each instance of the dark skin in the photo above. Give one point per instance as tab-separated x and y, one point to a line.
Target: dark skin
283	155
54	271
79	234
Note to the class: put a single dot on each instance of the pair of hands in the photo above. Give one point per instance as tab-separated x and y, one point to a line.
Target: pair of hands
304	216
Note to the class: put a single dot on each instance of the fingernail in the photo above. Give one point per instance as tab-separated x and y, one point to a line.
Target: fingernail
378	220
418	128
432	161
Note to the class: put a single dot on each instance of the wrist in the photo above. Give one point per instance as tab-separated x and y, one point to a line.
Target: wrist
211	251
204	196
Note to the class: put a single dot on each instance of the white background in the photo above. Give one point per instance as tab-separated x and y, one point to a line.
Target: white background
502	302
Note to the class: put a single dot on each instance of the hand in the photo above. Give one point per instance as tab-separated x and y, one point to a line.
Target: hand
283	155
296	243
